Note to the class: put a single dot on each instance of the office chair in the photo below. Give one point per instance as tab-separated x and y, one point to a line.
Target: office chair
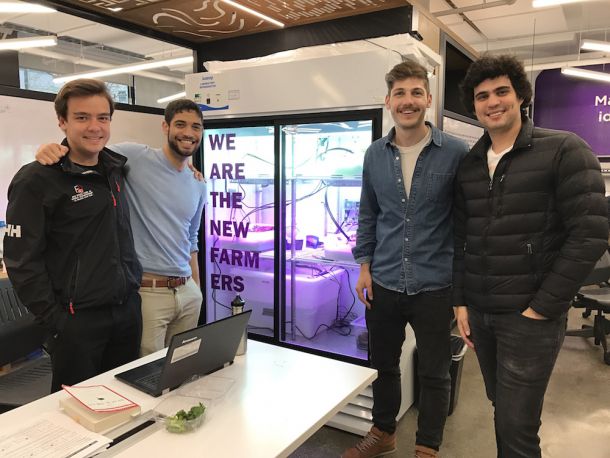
595	300
20	336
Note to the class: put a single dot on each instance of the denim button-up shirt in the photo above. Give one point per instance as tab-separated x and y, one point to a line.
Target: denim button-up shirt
408	240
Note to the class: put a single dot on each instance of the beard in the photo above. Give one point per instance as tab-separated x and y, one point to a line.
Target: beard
173	145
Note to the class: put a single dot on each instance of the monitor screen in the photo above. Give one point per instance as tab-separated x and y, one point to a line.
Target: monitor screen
456	65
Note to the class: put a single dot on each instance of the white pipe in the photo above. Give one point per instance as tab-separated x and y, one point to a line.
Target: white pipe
480	6
97	64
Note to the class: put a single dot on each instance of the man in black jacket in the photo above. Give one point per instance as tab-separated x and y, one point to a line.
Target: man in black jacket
69	251
530	223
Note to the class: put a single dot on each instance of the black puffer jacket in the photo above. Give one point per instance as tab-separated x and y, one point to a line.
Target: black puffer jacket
530	236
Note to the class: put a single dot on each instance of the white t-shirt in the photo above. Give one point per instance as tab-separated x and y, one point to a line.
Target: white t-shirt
493	158
408	159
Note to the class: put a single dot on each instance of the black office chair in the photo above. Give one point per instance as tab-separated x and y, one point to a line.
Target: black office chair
20	336
595	300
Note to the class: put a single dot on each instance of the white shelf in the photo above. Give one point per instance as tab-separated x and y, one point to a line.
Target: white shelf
356	416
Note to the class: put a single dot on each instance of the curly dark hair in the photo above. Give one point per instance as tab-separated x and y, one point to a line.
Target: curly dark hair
490	67
180	105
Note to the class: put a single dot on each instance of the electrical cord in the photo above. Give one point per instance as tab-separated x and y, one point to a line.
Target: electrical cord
332	217
319	187
346	317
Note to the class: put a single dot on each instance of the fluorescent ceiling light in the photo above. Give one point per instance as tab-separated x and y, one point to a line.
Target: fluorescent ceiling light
23	43
588	74
169	98
545	3
129	68
19	7
594	45
253	12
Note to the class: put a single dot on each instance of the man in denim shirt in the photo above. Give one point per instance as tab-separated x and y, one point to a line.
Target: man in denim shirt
405	251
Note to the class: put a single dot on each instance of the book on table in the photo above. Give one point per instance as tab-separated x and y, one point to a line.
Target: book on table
98	408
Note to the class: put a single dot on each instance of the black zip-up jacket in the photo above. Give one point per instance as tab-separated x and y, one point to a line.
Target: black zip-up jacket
530	236
69	245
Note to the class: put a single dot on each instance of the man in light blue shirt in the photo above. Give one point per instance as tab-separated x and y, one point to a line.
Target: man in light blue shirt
166	204
404	247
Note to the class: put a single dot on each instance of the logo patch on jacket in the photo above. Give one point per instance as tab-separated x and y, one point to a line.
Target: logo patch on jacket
81	193
13	230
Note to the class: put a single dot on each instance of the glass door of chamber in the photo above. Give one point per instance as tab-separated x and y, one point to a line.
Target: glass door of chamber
280	223
323	170
239	165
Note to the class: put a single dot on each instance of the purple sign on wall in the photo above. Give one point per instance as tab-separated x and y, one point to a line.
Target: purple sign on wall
575	104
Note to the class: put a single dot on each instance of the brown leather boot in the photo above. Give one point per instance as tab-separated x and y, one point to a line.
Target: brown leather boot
375	443
425	452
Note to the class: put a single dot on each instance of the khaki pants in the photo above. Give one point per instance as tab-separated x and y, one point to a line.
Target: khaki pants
166	312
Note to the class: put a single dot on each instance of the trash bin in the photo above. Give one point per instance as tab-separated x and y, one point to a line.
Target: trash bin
458	350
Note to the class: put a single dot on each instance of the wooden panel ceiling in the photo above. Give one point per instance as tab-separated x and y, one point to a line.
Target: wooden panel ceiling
201	21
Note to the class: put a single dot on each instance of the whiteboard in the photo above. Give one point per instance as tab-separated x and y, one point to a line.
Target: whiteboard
27	123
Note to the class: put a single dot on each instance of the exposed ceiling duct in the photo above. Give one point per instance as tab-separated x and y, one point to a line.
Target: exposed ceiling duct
90	54
480	6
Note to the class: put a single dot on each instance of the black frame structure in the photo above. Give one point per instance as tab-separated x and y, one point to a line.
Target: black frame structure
279	262
48	96
446	42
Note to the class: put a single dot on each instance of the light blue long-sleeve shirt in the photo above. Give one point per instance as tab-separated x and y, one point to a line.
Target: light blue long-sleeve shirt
166	207
408	240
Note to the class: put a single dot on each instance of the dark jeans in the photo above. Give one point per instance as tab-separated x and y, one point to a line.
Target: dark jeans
95	340
430	316
517	355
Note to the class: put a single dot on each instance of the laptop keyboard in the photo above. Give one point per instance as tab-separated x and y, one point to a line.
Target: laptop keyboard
152	380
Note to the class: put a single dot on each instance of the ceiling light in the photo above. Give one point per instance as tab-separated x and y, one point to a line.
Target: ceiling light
594	45
23	43
545	3
253	12
15	7
129	68
169	98
588	74
116	9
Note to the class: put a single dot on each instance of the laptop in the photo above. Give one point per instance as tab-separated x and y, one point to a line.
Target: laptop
198	351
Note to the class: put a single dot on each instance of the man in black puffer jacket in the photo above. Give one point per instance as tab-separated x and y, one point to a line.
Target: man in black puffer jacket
530	223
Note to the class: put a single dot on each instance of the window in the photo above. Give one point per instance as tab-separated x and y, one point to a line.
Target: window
120	92
38	80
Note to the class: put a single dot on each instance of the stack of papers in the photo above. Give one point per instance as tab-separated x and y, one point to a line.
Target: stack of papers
52	435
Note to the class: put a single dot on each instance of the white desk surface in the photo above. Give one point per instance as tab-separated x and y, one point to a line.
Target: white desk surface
279	399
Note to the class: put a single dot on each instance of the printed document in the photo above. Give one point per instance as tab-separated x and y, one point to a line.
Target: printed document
51	435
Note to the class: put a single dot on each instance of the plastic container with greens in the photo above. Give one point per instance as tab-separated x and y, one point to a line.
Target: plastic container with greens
181	414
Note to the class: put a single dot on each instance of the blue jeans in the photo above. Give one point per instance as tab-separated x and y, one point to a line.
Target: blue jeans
429	314
516	355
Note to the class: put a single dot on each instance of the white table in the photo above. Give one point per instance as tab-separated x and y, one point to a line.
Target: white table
279	399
